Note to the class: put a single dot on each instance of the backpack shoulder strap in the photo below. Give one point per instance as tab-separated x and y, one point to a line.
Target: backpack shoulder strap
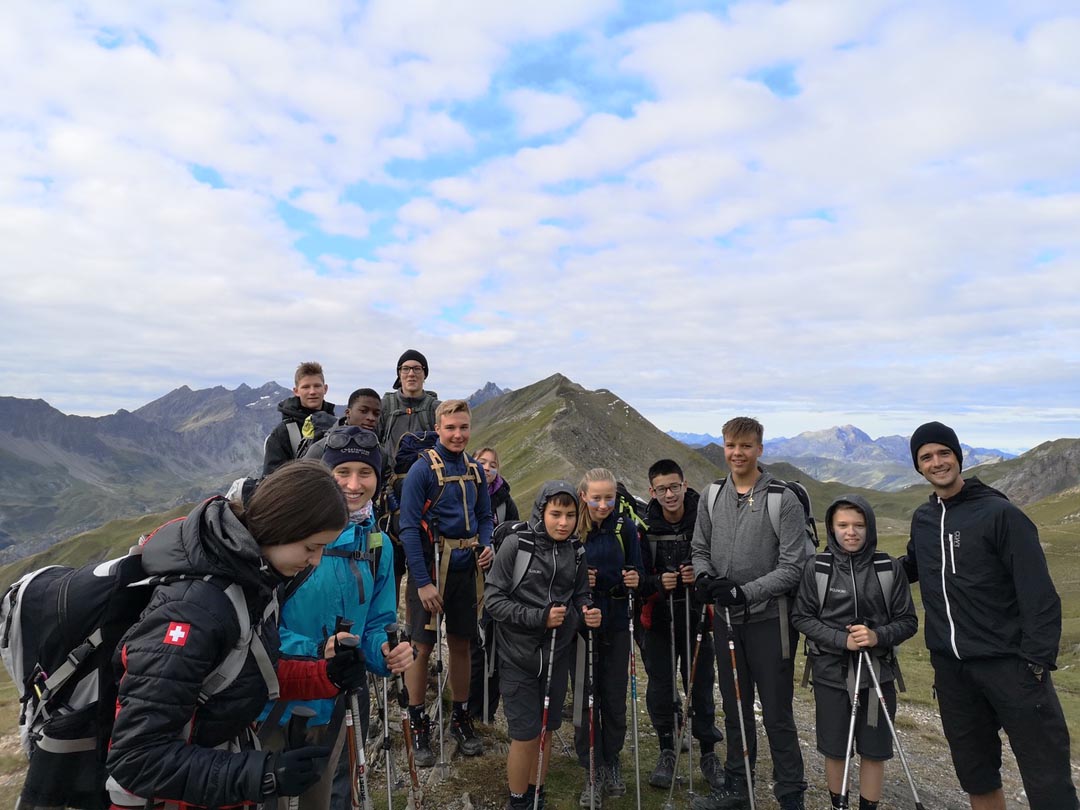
712	492
823	565
249	642
886	576
525	550
294	436
773	502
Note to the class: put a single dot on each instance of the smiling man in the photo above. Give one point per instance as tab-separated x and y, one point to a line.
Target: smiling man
993	627
741	563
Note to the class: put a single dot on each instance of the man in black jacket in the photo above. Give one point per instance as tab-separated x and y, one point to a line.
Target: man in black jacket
993	626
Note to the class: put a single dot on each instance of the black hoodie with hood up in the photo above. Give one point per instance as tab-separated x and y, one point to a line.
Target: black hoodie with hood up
557	574
854	590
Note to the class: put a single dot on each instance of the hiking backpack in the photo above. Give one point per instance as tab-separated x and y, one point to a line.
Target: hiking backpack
773	500
526	548
59	629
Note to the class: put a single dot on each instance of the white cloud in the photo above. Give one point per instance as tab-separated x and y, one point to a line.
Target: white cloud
540	113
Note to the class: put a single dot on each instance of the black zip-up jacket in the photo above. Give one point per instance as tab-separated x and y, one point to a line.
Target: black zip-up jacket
160	681
984	580
555	575
854	590
503	508
278	448
671	542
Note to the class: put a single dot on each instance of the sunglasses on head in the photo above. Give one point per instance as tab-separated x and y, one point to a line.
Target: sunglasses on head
364	439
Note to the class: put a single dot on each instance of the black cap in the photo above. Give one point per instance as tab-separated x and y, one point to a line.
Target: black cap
935	433
410	354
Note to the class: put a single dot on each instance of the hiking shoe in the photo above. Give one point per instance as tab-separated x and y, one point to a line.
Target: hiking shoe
520	803
461	729
792	801
421	741
732	795
614	785
712	770
583	799
664	771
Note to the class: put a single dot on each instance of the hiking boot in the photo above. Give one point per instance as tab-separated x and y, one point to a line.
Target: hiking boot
583	799
421	740
614	785
520	802
732	795
712	770
664	771
792	801
461	729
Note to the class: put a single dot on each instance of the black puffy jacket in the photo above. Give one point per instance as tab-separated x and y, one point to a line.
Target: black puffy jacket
503	508
187	629
853	590
278	447
984	580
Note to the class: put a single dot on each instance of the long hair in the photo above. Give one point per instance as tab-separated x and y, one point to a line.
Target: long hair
297	500
596	474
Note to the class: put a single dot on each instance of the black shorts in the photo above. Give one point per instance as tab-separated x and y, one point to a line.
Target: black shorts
979	697
459	607
523	696
833	712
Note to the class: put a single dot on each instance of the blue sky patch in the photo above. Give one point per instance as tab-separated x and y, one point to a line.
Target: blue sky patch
779	78
207	175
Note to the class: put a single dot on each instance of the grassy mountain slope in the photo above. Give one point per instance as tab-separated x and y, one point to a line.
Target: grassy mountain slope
557	429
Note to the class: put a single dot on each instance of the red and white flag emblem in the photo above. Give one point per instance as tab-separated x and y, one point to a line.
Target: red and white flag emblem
177	634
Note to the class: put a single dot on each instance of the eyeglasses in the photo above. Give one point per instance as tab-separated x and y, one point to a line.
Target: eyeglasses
340	439
411	369
674	489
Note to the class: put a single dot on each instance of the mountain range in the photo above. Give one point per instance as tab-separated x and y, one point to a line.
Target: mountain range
848	454
61	474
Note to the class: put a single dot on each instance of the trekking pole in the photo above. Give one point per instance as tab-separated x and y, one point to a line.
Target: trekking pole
392	640
406	732
688	722
738	702
296	735
844	798
701	630
674	676
633	694
591	675
892	728
352	721
441	767
544	720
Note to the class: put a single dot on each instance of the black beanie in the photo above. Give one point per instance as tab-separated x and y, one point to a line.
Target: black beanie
361	445
935	433
410	354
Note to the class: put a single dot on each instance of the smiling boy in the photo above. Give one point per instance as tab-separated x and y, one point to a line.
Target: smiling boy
309	396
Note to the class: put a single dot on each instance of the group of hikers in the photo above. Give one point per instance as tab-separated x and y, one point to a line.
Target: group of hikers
709	588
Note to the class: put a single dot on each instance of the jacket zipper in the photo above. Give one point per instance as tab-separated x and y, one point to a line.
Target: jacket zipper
944	592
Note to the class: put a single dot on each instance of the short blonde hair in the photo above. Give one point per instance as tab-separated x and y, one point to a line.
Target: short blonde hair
451	406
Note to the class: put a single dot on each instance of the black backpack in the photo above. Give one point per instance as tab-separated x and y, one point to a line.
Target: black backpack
773	499
59	629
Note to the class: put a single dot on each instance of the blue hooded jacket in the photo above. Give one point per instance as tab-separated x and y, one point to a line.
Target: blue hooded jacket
309	615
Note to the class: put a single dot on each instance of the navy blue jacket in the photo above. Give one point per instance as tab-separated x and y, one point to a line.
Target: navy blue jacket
604	553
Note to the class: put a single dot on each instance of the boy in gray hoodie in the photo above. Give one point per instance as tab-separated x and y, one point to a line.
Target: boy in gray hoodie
537	591
842	607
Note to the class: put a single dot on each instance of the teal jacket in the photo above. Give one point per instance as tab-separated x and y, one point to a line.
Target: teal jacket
309	615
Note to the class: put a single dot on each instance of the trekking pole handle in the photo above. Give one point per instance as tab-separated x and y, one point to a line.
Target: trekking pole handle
393	635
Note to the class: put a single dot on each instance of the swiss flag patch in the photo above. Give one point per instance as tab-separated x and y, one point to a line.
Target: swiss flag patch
177	634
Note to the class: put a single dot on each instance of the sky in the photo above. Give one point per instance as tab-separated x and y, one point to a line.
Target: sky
816	213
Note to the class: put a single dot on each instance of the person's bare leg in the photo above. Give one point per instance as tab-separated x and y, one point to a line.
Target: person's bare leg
988	801
460	667
416	675
871	778
834	774
521	764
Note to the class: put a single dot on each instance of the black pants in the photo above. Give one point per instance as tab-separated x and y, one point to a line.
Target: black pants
762	667
476	682
611	656
659	696
979	697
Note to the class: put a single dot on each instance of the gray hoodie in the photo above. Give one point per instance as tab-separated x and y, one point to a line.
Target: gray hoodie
556	574
738	543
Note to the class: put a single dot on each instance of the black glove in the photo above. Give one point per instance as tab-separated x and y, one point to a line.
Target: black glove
728	593
347	669
295	771
703	588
